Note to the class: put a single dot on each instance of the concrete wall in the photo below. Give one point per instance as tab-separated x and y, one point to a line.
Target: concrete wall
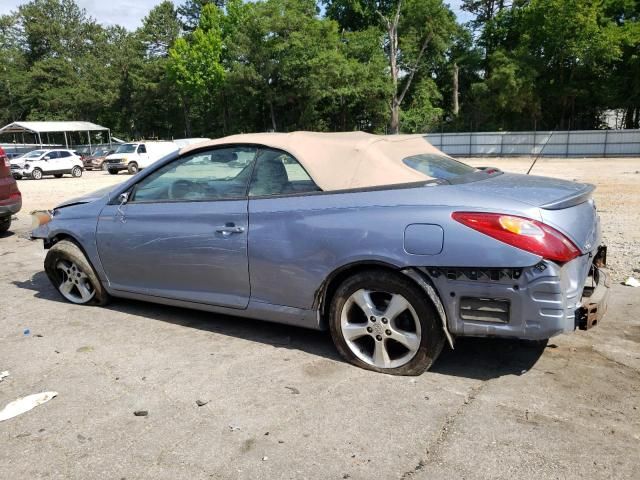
579	143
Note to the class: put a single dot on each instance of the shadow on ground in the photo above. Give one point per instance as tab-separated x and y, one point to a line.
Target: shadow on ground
476	358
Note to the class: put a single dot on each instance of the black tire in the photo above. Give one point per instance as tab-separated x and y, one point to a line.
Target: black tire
67	250
5	223
17	176
132	168
36	174
432	336
58	175
112	171
76	172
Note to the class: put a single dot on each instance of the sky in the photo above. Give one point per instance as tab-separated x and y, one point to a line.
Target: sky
129	13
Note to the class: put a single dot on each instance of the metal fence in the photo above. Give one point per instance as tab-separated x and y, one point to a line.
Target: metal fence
578	143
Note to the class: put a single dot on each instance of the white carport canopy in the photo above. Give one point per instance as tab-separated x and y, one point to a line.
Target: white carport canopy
39	128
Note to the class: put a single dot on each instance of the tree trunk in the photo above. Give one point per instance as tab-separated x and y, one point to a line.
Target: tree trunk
394	125
187	119
273	117
456	104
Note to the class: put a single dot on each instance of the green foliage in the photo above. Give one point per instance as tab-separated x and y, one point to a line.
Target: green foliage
194	62
215	67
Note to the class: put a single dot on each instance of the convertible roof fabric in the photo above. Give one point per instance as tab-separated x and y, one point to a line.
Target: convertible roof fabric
338	161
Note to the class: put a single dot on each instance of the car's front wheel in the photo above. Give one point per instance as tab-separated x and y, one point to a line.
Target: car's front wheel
132	168
381	321
72	275
76	172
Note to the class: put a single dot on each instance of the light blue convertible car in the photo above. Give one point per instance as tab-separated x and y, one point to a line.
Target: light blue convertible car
393	246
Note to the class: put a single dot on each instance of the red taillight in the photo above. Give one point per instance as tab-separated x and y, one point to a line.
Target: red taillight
524	233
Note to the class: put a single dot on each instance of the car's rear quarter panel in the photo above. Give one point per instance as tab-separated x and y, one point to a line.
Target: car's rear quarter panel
295	243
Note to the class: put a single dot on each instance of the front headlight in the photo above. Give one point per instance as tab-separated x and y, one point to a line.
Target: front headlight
40	217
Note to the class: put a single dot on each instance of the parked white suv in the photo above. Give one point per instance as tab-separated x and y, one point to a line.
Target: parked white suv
38	163
137	155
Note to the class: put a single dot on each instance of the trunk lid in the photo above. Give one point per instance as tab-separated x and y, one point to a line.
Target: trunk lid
543	192
564	205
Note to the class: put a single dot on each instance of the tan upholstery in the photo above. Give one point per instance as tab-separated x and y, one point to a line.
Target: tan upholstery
339	161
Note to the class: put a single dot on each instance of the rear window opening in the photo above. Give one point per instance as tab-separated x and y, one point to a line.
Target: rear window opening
438	166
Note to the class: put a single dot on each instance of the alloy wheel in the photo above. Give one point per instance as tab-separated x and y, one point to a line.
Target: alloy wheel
74	285
380	328
36	174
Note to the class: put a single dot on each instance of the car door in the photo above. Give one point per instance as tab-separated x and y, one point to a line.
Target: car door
65	163
51	162
286	250
143	156
183	232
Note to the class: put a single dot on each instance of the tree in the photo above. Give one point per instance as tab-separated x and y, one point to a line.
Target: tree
194	62
416	30
189	12
160	29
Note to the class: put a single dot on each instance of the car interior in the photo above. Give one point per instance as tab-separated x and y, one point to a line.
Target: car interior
224	174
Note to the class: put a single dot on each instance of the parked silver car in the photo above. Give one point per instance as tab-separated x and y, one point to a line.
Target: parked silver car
393	246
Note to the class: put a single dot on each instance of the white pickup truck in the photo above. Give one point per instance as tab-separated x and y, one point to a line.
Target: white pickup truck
137	155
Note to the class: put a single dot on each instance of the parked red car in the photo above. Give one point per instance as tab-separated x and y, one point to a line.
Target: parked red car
10	196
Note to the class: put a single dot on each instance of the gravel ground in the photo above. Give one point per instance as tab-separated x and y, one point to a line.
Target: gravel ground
280	404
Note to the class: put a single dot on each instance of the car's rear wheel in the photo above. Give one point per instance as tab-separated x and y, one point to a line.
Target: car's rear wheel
36	174
5	223
76	172
72	275
58	175
113	171
132	168
381	321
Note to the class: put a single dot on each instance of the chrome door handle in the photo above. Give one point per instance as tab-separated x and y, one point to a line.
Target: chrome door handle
229	229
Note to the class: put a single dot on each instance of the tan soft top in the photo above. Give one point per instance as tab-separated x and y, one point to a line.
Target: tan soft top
339	161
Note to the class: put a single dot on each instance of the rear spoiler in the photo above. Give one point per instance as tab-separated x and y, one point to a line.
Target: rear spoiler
572	200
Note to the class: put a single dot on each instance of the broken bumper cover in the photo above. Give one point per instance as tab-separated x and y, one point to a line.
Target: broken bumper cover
532	303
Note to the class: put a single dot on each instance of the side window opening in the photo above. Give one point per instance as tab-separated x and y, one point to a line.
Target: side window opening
142	148
278	173
208	175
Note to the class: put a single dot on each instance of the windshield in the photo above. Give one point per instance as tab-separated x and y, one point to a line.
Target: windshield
438	166
34	154
100	152
126	148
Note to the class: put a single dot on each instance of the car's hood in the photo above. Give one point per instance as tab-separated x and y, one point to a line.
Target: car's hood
19	161
91	197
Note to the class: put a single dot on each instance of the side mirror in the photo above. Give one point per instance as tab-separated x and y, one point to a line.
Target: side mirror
123	198
47	157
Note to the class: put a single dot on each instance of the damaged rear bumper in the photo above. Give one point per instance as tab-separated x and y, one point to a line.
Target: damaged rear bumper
595	295
533	303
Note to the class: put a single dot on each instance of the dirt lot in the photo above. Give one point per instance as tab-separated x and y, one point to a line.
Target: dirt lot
281	404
